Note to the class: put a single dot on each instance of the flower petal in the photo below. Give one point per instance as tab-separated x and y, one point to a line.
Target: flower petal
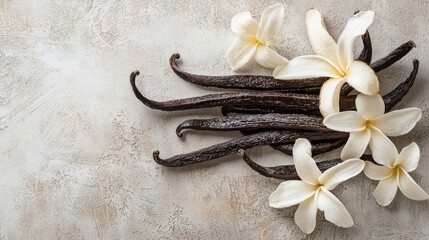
399	122
268	58
330	96
321	41
409	157
341	172
376	172
383	150
290	193
356	26
370	106
334	210
305	215
240	52
362	78
356	144
386	189
270	25
347	121
305	165
410	188
306	67
244	25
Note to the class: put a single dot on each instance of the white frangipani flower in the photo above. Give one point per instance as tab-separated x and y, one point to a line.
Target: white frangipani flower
256	40
370	125
313	192
394	174
334	60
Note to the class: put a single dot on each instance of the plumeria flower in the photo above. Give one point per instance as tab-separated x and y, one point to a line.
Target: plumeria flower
313	192
256	39
334	60
369	125
394	173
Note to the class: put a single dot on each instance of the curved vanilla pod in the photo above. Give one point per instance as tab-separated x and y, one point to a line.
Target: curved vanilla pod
266	109
268	99
245	142
288	172
253	82
256	121
396	95
366	54
393	57
318	147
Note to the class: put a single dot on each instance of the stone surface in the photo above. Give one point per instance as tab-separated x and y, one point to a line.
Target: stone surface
76	145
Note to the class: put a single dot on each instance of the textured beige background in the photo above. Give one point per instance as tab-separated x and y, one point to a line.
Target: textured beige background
75	144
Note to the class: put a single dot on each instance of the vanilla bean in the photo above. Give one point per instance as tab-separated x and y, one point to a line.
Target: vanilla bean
256	121
318	147
396	95
288	172
255	82
283	172
245	142
366	54
267	109
393	57
269	99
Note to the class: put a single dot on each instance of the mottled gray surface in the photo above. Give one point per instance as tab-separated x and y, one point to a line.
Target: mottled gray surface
76	145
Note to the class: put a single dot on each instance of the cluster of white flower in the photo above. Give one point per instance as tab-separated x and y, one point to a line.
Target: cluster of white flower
368	126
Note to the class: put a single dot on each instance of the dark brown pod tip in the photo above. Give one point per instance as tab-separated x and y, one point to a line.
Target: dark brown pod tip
393	57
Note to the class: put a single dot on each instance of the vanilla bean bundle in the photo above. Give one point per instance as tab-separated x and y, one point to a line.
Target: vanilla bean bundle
274	112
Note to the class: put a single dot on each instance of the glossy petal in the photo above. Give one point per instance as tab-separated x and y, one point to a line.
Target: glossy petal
334	210
362	78
306	67
305	165
240	52
377	172
341	172
244	25
382	148
399	122
356	26
305	215
330	96
356	144
409	157
290	193
321	41
386	189
269	58
370	107
270	24
410	188
347	121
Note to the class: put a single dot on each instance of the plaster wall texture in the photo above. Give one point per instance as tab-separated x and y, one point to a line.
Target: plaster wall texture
76	145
